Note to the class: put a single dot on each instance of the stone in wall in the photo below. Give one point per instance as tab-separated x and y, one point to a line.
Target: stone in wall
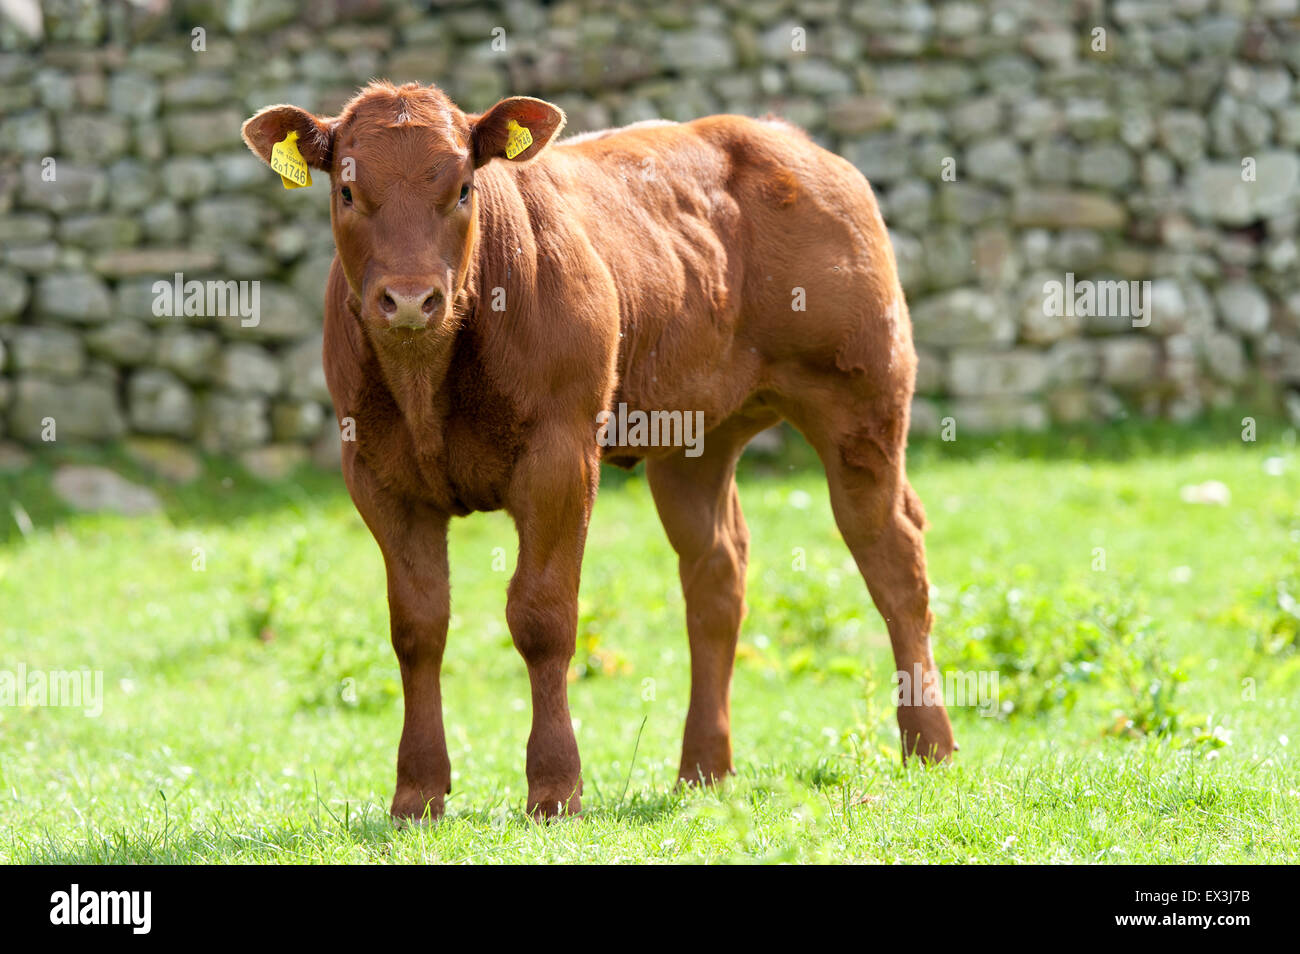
86	410
160	403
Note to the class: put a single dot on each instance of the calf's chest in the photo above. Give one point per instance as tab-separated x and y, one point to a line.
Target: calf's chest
454	447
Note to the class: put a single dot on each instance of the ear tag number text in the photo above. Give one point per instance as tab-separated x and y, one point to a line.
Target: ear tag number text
289	163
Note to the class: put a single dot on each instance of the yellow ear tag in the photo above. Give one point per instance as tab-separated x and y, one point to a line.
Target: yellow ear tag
288	161
518	139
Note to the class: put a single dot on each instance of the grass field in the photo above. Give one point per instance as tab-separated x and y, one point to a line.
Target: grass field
1146	651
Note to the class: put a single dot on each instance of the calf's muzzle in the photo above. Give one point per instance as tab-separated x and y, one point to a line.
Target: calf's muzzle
409	304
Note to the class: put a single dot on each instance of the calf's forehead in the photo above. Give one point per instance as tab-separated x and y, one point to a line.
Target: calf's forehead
415	155
402	135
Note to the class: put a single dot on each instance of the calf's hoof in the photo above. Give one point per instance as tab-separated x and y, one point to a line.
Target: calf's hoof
411	807
926	733
699	773
554	802
706	755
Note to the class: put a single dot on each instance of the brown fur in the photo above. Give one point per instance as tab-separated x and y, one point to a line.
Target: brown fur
654	266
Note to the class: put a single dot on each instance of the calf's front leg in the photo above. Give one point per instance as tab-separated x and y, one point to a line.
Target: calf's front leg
551	503
413	539
419	609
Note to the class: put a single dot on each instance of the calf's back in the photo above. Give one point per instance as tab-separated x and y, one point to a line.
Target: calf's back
666	266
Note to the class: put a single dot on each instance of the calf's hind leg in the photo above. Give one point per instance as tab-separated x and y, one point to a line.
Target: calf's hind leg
700	509
881	520
892	561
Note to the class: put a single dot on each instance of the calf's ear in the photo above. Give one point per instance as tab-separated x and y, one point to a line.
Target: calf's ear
274	123
517	129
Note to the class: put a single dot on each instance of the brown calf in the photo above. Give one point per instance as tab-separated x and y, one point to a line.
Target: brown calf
492	299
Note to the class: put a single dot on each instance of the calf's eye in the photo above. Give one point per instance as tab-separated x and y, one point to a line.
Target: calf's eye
464	193
346	193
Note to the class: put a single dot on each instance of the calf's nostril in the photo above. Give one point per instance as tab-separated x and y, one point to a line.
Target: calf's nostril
431	302
386	304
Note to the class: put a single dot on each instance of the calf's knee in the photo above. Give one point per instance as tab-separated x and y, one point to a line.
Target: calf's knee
543	626
419	633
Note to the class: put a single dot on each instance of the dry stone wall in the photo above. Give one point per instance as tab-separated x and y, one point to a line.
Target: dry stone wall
1014	144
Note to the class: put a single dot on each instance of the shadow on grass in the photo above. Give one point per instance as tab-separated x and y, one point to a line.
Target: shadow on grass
213	844
226	492
364	833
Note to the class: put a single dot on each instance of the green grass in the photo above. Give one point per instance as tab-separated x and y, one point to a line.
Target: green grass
251	709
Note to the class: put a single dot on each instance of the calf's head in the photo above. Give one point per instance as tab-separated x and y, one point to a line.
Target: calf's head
401	162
